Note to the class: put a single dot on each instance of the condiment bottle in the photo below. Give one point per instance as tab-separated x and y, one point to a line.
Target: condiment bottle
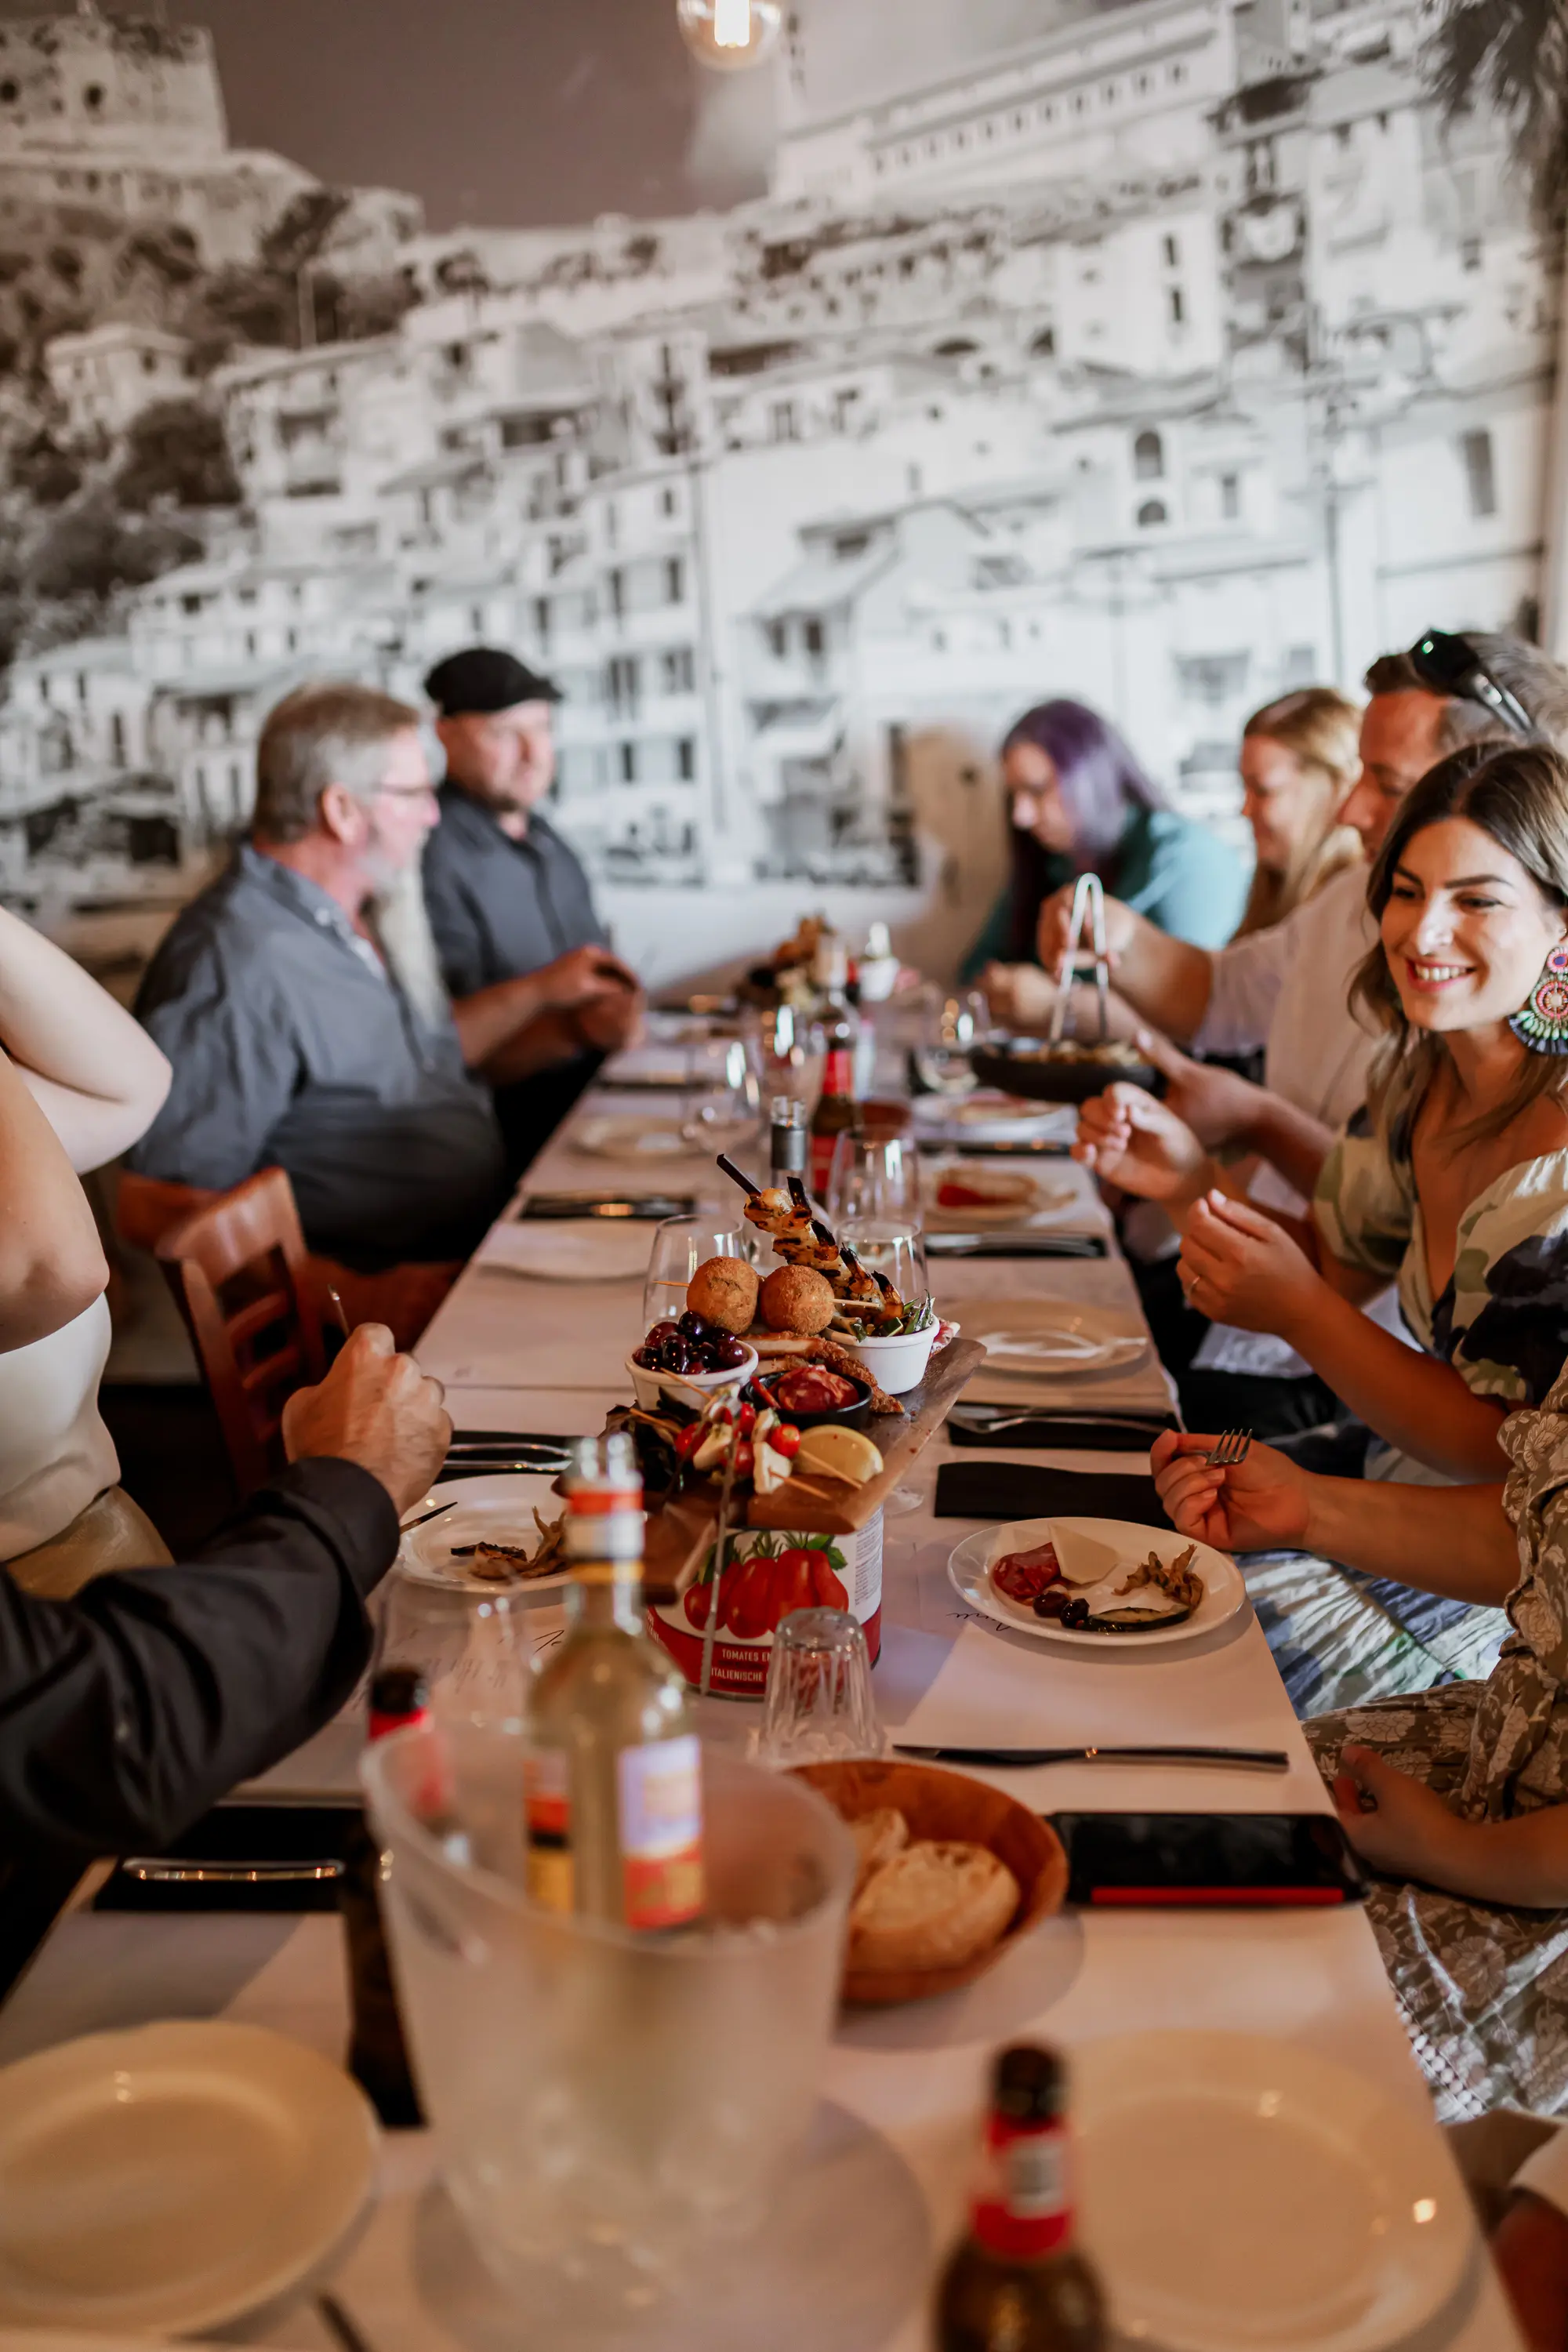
614	1770
1017	2283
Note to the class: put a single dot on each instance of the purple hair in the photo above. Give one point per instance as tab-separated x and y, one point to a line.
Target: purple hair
1102	784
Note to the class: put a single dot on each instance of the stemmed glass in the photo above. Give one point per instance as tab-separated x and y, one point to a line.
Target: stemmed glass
875	1205
680	1245
725	1098
950	1029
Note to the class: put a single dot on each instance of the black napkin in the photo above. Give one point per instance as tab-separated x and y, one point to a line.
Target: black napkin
1045	1435
629	1208
1023	1490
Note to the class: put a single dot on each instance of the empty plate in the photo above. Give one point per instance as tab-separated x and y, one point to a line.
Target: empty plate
1066	1340
1237	2192
629	1138
168	2179
590	1249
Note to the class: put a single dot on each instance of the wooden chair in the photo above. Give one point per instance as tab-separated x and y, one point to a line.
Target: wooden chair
241	1276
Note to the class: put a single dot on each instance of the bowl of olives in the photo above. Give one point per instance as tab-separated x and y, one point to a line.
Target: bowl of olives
686	1359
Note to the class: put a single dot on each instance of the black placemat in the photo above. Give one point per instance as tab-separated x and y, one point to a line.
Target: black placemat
1025	1490
1057	1436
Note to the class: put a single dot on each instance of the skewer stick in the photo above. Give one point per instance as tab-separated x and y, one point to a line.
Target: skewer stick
736	1176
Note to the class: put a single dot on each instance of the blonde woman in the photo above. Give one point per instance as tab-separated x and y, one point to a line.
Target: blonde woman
1299	761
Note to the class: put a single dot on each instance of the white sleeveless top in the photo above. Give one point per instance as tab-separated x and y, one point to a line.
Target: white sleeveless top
55	1453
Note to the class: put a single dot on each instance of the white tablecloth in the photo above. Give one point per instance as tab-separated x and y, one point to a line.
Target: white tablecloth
904	2087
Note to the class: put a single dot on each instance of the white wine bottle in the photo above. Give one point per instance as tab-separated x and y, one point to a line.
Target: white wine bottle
615	1781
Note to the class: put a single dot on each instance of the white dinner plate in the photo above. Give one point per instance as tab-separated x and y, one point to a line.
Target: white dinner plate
1061	1341
170	2178
1039	1200
629	1138
1238	2192
989	1118
1100	1545
569	1249
497	1509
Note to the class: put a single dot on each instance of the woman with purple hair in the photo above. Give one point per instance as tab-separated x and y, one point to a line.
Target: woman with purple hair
1080	802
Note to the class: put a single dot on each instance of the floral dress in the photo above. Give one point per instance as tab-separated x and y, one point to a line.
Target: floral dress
1339	1637
1502	1319
1484	1990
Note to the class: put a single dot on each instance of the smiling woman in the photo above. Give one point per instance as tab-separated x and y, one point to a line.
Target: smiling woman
1453	1181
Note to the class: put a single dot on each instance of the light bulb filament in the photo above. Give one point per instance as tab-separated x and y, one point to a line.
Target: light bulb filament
732	23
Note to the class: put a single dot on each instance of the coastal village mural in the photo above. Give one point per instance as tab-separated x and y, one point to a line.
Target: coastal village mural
1169	354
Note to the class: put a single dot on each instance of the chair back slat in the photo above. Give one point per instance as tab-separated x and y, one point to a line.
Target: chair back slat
237	1269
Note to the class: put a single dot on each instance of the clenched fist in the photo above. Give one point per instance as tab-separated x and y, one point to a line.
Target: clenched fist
376	1408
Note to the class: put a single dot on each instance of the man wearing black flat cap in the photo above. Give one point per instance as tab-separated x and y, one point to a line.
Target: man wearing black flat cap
509	901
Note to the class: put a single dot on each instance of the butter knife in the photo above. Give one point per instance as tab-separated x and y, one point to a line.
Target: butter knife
1023	1759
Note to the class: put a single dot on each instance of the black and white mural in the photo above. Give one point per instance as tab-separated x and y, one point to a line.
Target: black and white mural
806	425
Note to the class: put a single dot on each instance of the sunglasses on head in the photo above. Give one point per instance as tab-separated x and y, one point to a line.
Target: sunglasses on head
1451	666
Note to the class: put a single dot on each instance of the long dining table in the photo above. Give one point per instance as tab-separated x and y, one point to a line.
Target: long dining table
849	2258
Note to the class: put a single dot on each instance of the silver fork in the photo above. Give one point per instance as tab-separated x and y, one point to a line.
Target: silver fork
1229	1450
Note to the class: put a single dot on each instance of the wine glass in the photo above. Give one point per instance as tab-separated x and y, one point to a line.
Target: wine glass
725	1096
875	1179
951	1027
680	1245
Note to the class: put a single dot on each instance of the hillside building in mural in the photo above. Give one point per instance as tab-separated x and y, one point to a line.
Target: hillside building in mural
1179	356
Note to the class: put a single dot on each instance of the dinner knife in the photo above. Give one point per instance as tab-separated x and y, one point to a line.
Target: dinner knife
1023	1759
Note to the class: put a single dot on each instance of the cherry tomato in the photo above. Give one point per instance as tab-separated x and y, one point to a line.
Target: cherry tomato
688	1440
785	1440
746	1418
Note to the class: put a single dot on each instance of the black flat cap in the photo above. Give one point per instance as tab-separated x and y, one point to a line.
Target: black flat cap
482	678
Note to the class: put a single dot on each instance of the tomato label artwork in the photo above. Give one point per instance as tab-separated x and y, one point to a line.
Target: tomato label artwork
769	1574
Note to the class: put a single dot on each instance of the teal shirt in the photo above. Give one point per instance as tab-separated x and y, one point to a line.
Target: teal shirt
1176	872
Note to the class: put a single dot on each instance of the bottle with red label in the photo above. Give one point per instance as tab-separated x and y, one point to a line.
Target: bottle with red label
614	1769
837	1112
1018	2282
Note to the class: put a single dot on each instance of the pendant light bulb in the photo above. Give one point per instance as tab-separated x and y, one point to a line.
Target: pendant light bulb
731	36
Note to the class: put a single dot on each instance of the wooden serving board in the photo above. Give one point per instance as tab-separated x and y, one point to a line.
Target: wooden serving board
675	1533
897	1439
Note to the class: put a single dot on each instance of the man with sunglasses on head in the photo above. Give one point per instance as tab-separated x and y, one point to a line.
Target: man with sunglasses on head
1285	992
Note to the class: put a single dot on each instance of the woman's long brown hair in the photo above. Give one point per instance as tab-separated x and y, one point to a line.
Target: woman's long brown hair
1518	794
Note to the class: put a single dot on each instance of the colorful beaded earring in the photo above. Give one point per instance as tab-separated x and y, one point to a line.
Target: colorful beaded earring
1542	1026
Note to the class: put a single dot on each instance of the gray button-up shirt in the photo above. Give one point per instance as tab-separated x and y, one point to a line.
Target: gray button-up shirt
501	908
292	1047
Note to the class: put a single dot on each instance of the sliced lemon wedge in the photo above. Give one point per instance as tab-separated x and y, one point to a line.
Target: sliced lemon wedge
835	1452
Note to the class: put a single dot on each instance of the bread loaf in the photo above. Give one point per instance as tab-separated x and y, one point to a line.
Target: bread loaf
877	1837
936	1904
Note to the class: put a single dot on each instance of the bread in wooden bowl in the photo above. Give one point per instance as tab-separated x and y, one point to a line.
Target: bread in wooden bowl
934	1923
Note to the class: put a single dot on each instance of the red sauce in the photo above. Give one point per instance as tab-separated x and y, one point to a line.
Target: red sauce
813	1389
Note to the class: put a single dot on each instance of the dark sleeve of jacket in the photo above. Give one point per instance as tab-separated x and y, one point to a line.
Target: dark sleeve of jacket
127	1711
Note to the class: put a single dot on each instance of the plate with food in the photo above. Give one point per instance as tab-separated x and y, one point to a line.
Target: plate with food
961	1196
1096	1583
1059	1342
502	1535
629	1138
1070	1070
990	1115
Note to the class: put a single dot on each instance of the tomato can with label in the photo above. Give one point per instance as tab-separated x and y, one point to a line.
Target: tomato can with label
771	1572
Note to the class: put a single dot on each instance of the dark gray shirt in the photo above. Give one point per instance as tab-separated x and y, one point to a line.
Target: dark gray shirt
501	908
293	1048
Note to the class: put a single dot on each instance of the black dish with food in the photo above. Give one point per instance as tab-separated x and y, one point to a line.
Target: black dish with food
1070	1077
854	1415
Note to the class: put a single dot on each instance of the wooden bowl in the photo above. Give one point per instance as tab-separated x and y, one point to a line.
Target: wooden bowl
938	1804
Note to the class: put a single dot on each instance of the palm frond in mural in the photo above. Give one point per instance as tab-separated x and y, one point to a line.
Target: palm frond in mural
1513	54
